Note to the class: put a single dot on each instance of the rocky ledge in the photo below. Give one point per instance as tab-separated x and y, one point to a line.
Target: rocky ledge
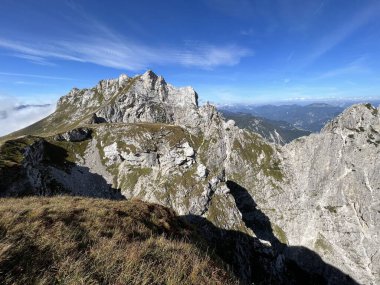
302	213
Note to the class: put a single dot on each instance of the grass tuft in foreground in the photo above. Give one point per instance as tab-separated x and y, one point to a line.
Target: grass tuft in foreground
69	240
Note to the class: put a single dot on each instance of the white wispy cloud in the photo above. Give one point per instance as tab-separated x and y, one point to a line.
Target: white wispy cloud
35	59
103	46
31	83
337	36
123	54
247	32
320	7
235	8
13	119
208	56
90	40
290	56
37	51
355	67
35	76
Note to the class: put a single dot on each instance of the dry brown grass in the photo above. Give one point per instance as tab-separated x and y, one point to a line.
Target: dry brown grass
68	240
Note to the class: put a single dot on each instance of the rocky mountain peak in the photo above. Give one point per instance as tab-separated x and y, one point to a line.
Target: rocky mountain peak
149	75
311	203
122	78
358	118
142	98
152	81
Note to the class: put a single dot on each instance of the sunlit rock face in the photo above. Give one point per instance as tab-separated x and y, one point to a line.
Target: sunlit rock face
144	98
336	192
312	204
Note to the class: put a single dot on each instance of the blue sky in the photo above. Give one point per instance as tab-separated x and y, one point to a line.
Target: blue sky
228	50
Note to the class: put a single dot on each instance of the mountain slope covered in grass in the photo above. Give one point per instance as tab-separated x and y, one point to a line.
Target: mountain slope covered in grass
293	214
66	240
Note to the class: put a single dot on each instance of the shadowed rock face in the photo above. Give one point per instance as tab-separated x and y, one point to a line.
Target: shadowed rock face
46	171
75	135
307	204
289	264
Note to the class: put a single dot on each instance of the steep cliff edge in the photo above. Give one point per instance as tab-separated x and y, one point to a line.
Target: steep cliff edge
306	211
335	192
180	156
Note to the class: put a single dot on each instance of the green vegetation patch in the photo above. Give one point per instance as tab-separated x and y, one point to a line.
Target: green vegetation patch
332	209
280	234
372	108
321	244
252	149
218	214
12	151
173	134
369	106
129	180
61	153
62	119
185	179
67	240
12	156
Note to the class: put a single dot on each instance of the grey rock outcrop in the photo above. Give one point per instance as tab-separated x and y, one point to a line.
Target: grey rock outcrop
75	135
314	202
335	188
143	98
94	119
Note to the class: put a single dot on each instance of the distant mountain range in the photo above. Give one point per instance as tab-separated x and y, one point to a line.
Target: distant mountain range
279	132
306	212
311	117
282	124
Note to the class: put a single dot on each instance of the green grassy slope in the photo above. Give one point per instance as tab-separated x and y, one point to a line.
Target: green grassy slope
66	240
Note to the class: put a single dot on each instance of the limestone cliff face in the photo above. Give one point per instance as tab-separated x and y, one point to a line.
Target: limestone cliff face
335	191
308	205
143	98
145	138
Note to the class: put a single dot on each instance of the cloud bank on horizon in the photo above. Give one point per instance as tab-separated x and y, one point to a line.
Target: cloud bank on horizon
15	116
229	50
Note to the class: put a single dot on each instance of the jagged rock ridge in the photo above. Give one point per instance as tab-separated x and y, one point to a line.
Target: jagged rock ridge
144	98
141	137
